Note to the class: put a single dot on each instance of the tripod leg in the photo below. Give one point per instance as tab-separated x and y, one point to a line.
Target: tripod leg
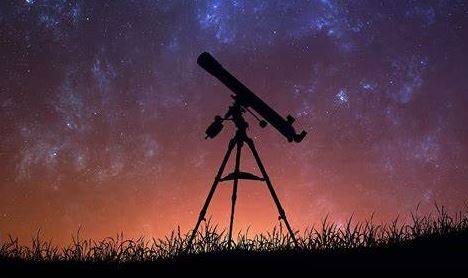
201	217
234	191
282	214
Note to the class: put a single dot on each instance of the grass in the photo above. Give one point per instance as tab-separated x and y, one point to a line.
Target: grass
327	241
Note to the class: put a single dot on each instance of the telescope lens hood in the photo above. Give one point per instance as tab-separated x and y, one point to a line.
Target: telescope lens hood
209	63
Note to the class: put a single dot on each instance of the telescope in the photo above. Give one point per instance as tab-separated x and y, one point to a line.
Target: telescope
244	100
247	99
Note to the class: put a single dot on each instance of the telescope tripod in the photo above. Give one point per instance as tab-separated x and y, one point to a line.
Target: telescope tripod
238	141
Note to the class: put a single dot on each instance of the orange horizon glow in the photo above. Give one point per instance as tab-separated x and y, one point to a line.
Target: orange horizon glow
137	213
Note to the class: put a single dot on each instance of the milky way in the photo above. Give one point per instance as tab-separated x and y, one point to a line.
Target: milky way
103	111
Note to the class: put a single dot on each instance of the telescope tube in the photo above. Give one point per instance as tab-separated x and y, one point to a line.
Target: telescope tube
247	98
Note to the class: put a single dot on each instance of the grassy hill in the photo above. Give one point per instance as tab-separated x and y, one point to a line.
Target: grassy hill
427	245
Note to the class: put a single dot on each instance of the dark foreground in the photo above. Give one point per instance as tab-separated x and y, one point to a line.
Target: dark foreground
446	254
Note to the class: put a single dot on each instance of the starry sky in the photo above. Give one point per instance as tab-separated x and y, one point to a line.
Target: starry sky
103	111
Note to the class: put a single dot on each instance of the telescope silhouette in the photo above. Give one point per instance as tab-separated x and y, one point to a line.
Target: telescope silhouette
243	100
246	98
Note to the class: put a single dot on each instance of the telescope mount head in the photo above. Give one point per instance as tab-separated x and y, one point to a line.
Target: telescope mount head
235	114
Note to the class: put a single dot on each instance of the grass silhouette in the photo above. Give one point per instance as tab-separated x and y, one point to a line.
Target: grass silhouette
439	240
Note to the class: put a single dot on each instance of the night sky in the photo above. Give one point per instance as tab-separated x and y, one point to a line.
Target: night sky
103	111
